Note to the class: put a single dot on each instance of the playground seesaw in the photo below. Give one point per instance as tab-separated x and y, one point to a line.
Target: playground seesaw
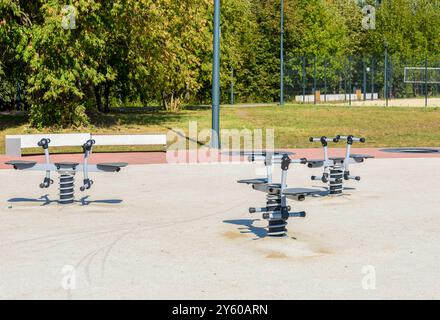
337	169
277	211
66	170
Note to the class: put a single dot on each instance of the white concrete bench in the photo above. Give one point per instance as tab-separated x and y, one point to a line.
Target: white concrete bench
15	143
130	140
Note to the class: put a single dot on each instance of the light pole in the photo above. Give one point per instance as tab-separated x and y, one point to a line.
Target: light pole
282	53
215	139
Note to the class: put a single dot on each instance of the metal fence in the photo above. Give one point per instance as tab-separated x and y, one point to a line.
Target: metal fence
386	80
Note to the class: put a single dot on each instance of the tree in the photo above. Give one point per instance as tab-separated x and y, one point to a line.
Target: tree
160	51
65	63
165	41
13	37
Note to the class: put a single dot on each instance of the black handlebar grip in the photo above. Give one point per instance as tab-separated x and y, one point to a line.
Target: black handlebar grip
44	143
350	139
89	145
252	210
285	162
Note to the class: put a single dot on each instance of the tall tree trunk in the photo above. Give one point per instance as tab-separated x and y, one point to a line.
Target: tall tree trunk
164	101
97	90
107	98
172	101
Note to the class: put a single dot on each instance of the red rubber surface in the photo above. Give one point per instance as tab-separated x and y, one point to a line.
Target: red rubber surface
134	158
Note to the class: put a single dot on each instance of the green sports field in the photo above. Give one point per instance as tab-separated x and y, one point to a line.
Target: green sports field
293	124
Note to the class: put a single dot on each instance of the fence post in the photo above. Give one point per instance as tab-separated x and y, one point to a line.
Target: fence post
345	80
325	80
390	77
386	76
365	79
426	80
372	78
314	80
349	80
232	99
304	75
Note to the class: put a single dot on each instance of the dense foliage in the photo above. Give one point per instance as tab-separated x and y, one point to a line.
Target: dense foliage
159	51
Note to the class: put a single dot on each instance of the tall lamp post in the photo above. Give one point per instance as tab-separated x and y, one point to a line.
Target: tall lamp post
282	53
215	139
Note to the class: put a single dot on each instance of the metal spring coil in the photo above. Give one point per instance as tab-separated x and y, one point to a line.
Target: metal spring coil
276	227
336	181
67	187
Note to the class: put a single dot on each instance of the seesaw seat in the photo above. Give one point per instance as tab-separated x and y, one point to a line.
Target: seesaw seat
301	192
315	163
111	167
268	187
253	181
66	165
21	165
360	157
337	159
365	156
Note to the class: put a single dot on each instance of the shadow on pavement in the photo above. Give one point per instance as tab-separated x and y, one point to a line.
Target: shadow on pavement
248	227
44	200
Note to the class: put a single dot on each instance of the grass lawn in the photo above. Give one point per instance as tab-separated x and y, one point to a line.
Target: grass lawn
293	124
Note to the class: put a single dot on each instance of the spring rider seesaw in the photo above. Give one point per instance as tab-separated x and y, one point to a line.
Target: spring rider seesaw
277	211
337	169
66	171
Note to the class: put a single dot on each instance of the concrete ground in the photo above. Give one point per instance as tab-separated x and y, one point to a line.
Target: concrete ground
184	232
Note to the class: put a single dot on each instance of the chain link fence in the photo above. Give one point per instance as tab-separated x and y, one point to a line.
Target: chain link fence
358	81
370	81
